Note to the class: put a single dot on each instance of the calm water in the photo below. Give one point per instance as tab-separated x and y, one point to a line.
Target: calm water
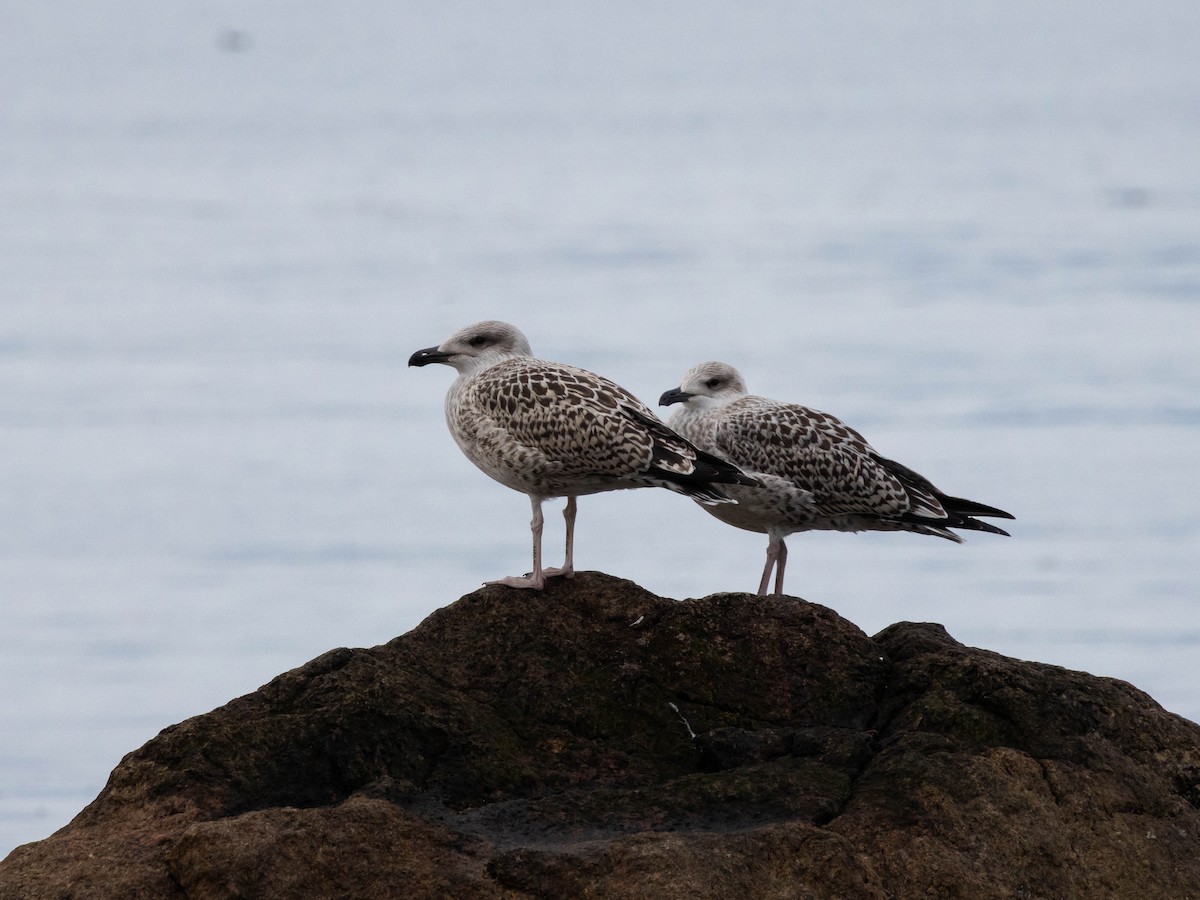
972	233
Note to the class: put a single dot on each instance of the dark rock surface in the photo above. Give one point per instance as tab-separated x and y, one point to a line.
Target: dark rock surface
594	740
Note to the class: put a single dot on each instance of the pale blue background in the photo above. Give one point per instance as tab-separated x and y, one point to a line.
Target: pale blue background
971	230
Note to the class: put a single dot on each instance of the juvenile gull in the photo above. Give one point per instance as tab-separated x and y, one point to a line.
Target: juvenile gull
552	430
814	472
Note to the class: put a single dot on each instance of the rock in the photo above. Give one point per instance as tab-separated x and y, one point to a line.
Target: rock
596	740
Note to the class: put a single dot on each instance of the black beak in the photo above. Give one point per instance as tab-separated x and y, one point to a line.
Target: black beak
427	356
674	395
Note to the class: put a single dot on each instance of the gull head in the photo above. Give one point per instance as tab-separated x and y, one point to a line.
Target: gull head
706	386
475	347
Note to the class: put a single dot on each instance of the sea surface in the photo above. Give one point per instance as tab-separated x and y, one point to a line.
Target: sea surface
970	230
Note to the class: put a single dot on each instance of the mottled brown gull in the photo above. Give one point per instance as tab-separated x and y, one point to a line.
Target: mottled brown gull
814	472
551	430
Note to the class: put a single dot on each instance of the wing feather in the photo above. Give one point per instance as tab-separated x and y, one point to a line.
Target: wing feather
565	416
818	453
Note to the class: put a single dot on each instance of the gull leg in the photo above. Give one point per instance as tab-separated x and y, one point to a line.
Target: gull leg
568	566
773	545
779	565
536	579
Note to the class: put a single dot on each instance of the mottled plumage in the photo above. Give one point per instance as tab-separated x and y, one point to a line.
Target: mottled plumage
551	430
814	472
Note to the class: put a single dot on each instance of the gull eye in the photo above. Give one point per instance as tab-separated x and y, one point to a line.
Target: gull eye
713	383
478	341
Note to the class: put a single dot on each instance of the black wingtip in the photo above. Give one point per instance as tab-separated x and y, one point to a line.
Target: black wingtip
713	468
701	484
966	523
707	469
970	508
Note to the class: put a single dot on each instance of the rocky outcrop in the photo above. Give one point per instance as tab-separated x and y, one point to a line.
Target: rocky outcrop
594	740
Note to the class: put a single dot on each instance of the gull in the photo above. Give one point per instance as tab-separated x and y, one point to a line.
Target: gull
551	430
814	472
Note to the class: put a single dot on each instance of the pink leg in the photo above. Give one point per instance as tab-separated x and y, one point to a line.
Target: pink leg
536	579
568	566
779	565
773	545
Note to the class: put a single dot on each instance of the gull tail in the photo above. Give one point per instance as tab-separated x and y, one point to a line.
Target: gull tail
960	512
681	466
